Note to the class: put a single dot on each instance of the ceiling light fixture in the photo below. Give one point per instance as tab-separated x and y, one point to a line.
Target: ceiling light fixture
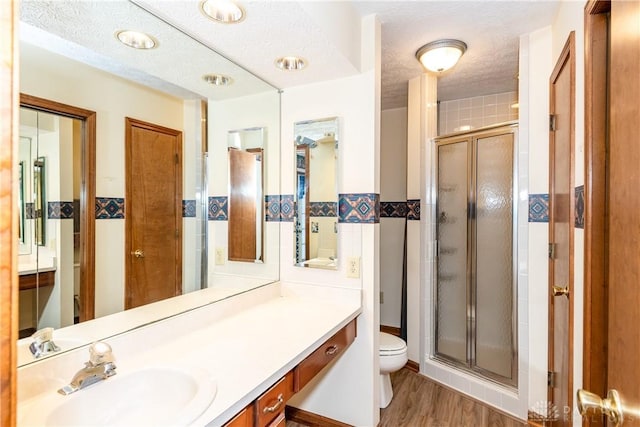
440	55
290	63
224	11
136	39
217	79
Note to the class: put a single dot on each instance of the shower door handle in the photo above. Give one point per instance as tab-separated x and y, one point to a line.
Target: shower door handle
559	291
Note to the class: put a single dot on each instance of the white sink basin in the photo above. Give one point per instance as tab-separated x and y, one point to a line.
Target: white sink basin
158	396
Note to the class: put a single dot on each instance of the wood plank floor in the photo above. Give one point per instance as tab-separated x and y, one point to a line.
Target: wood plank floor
420	402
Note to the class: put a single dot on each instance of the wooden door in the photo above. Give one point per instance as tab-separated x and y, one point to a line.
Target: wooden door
243	205
612	231
561	223
153	212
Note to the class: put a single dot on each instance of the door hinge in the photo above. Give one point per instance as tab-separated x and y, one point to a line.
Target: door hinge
551	379
177	159
552	122
177	233
552	250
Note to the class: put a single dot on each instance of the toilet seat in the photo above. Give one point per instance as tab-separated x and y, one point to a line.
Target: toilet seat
390	345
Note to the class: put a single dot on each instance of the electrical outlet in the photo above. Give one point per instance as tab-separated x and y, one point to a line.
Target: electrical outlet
353	267
381	297
220	256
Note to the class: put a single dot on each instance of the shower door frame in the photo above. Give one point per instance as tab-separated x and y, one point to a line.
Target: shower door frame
469	365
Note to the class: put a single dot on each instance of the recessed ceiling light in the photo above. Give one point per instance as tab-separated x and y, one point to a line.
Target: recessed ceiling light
136	39
291	63
440	55
217	79
224	11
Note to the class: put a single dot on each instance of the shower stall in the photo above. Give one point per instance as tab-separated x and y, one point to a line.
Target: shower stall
475	294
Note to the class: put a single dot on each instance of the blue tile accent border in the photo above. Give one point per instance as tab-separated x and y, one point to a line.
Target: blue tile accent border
393	209
579	211
323	209
218	208
109	208
286	208
272	208
188	208
538	208
359	208
413	210
60	210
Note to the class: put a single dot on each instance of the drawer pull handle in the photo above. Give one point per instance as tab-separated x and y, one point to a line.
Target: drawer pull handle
330	351
275	407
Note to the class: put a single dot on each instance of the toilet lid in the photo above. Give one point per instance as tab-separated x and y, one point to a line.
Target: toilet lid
391	343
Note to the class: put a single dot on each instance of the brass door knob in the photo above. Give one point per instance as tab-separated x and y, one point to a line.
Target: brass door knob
611	407
138	253
558	291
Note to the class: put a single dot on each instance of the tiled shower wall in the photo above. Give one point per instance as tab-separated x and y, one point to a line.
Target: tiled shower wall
476	112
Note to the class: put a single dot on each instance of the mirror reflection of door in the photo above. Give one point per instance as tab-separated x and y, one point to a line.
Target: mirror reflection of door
49	261
246	195
302	204
153	220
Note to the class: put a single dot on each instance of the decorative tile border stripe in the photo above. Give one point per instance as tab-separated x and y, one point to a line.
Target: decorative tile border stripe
272	208
359	208
393	209
60	210
323	209
413	210
579	214
538	208
29	211
109	208
286	207
188	208
218	208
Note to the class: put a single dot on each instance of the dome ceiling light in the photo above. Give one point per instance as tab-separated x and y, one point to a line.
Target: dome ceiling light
136	39
224	11
440	55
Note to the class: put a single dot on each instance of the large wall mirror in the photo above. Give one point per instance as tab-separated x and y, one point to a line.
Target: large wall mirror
82	236
316	197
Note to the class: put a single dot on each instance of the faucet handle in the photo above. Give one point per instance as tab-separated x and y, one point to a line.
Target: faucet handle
100	353
43	343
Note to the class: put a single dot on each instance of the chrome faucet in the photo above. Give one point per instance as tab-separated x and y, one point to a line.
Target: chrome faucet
99	367
43	344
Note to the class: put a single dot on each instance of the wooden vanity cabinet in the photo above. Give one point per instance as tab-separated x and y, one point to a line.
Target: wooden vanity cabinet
268	409
32	281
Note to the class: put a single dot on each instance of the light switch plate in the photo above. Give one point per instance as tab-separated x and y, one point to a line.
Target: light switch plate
353	267
220	256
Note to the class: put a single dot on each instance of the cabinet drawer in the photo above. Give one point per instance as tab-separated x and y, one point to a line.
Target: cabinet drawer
272	402
309	367
280	421
243	419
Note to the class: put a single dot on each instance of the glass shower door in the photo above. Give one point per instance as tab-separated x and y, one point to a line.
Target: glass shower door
452	233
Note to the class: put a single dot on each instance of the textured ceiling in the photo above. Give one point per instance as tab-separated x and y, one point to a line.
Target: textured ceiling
325	33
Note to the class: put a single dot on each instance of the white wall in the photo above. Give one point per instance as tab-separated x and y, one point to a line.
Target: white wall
536	64
261	110
53	77
356	102
393	188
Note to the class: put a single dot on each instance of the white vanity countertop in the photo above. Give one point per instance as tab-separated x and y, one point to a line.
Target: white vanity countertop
246	345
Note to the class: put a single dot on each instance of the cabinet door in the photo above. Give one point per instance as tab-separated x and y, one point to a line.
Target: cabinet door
243	419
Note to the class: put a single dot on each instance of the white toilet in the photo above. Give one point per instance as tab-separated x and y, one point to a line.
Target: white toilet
393	356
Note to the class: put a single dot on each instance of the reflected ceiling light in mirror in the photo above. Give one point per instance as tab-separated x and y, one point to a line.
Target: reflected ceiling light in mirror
136	39
223	11
441	55
290	63
217	79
